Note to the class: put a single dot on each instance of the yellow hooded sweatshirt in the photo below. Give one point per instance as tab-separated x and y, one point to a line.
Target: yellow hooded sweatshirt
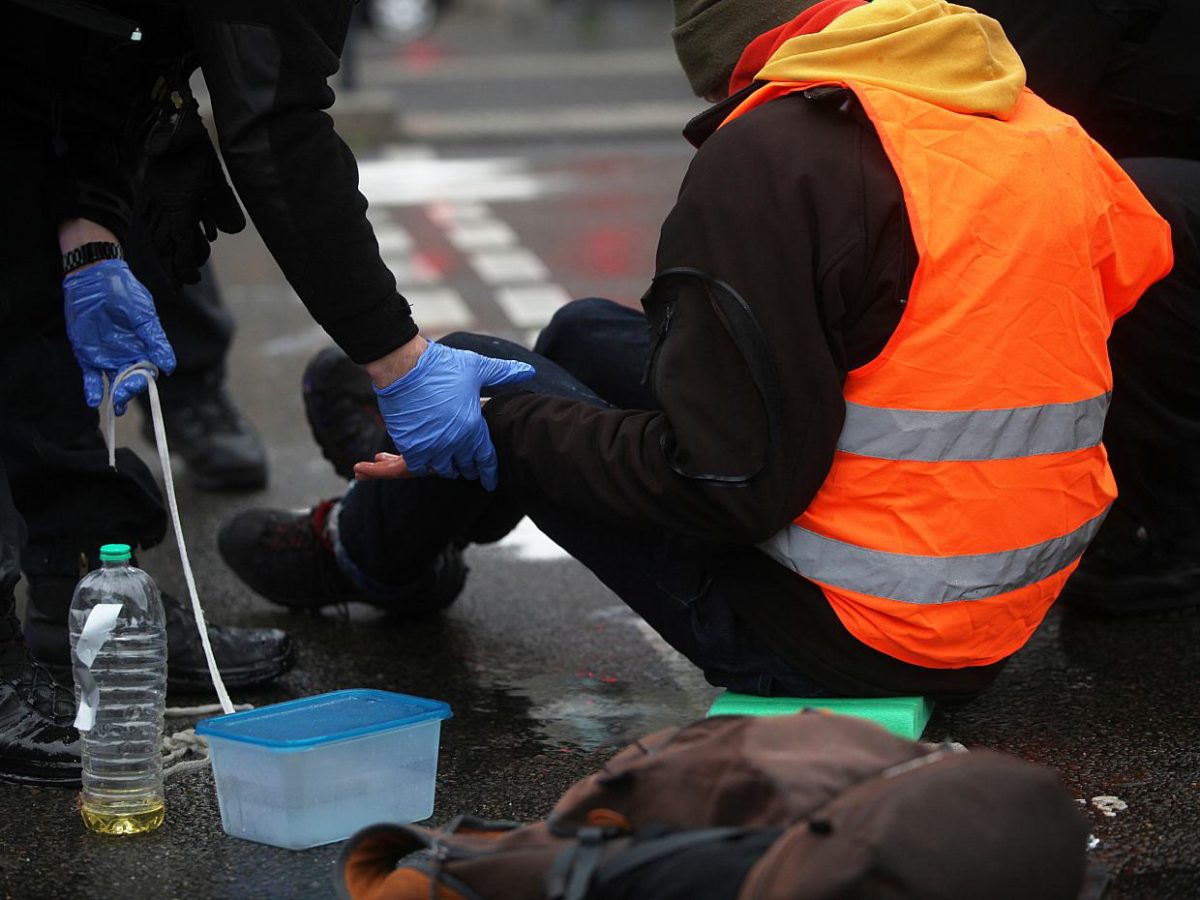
948	55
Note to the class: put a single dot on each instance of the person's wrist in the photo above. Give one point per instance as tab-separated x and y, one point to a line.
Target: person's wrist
75	234
395	365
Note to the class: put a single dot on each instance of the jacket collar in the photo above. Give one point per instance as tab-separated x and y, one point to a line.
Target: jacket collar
702	127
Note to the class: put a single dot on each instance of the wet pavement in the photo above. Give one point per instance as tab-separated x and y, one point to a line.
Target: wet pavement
547	673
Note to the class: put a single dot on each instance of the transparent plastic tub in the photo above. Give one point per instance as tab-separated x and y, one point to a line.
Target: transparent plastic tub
313	771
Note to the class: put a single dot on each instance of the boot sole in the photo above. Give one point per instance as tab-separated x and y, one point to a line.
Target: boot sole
201	683
65	780
1178	594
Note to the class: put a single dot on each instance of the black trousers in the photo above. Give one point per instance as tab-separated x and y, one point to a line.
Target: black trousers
196	320
60	493
1153	426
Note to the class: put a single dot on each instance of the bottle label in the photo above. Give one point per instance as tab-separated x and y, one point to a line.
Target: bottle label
96	630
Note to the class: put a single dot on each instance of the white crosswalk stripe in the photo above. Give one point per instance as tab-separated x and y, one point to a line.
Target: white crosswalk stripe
531	305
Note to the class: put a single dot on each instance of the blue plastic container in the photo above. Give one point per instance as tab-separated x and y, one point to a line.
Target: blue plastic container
313	771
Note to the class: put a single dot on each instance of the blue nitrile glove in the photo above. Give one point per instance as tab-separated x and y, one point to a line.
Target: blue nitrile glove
112	324
433	415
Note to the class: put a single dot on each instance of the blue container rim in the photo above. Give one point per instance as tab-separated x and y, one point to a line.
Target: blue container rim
223	727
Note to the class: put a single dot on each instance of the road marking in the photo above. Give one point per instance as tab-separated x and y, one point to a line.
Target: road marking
528	306
480	235
529	543
407	182
447	213
633	63
631	118
438	309
507	266
413	269
393	240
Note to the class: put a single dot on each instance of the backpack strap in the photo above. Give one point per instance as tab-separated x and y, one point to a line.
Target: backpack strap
576	871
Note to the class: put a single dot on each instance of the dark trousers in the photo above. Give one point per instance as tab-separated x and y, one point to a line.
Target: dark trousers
1153	426
59	489
198	325
595	351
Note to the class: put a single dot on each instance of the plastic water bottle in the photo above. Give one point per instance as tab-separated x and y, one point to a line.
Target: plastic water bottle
119	657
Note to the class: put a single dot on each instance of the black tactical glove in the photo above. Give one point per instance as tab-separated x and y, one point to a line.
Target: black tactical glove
184	197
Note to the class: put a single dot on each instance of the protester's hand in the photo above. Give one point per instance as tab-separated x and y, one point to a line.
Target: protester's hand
385	466
112	324
433	416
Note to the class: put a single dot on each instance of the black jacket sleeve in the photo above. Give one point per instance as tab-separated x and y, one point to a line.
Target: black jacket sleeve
266	64
785	212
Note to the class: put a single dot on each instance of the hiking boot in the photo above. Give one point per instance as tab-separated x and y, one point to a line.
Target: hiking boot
342	411
1130	573
38	745
245	656
221	449
287	556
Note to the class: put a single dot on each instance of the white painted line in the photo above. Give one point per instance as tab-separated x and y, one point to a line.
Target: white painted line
665	118
447	213
556	65
393	240
508	266
438	308
412	269
400	182
467	236
529	306
530	543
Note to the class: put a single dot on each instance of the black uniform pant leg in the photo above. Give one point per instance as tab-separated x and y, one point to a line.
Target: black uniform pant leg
194	317
57	462
12	538
1153	428
54	457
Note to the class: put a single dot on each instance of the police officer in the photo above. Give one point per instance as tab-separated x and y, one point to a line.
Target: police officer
100	133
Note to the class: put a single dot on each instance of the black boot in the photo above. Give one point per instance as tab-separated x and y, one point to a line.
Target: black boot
287	557
1130	570
222	450
245	656
38	745
343	411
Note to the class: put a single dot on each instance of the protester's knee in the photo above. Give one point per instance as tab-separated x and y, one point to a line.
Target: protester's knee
572	323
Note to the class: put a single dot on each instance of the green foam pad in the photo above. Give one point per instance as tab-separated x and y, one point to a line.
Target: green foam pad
904	716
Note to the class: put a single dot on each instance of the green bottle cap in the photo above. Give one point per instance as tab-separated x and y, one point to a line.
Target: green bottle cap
115	553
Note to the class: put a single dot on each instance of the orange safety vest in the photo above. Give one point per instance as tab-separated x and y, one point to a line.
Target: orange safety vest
969	475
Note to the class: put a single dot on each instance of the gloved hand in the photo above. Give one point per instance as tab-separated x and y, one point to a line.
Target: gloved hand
112	324
184	197
433	415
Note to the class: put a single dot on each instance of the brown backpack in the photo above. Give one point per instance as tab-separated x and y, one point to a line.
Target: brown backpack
790	808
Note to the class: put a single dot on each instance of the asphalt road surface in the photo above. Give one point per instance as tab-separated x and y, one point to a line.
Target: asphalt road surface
547	672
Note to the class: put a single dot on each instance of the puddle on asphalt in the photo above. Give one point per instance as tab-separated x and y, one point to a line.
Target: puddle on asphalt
591	712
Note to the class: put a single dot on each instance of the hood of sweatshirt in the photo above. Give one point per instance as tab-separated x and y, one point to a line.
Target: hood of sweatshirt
935	51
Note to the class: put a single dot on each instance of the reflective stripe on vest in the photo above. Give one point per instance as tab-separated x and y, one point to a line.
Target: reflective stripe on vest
937	436
925	579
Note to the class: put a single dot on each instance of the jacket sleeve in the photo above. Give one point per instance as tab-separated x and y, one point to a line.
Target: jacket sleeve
710	462
266	64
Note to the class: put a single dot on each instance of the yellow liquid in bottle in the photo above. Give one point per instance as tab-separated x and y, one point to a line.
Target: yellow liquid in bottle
120	818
